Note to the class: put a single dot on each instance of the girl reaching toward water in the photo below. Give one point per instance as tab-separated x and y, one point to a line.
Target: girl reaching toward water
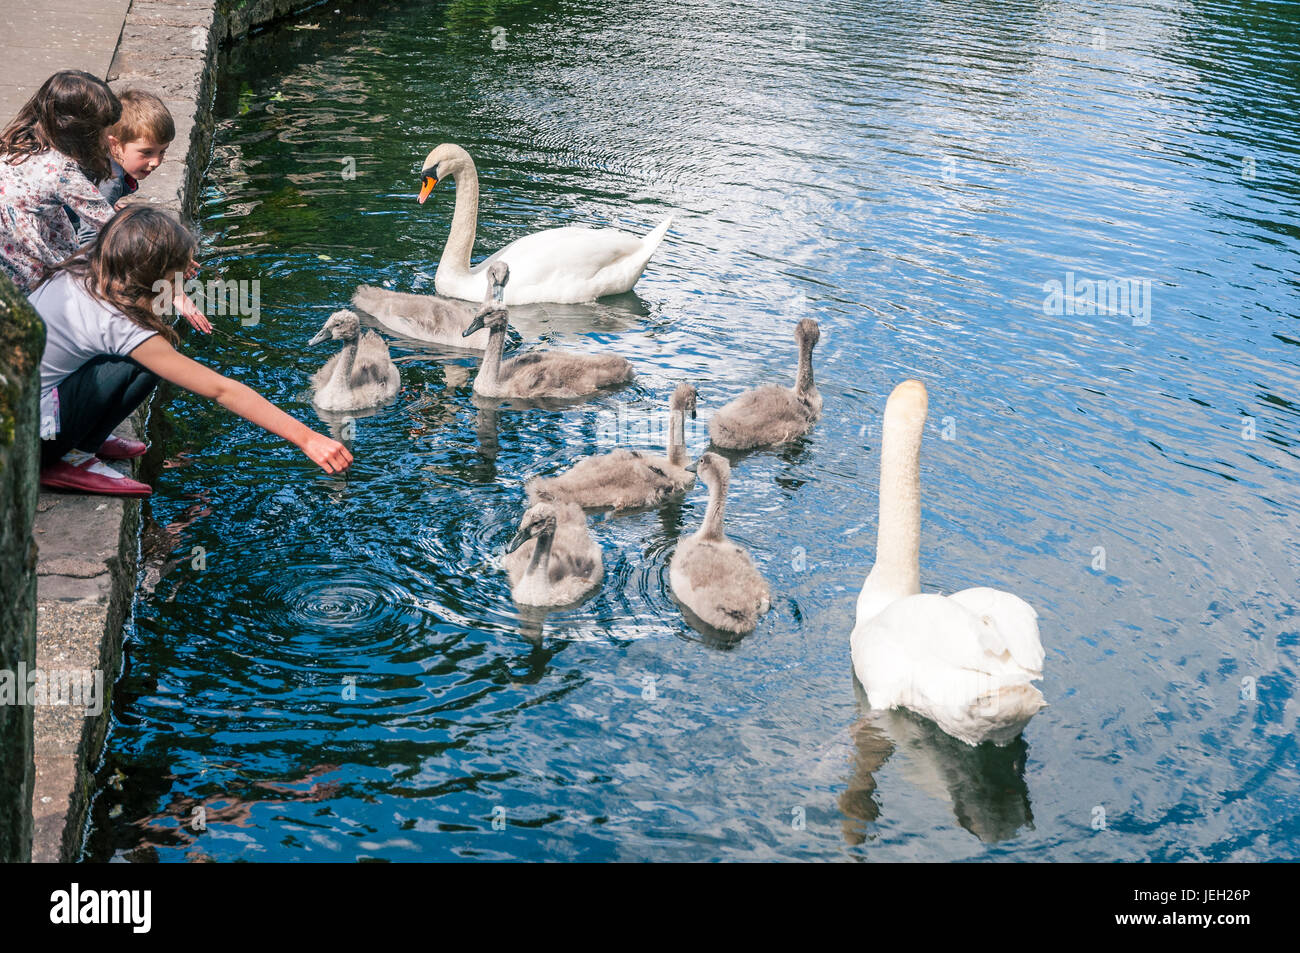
107	345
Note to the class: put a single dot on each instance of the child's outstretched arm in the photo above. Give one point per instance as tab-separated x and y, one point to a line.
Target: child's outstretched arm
165	361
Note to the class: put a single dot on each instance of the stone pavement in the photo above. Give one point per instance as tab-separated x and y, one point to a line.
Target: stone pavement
42	37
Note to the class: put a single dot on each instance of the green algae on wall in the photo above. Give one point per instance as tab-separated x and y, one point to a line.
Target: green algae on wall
235	18
22	340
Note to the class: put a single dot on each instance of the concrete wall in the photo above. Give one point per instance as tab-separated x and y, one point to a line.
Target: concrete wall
22	338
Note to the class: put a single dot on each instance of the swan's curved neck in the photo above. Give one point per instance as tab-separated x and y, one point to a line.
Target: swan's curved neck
712	527
541	560
464	222
897	572
489	371
804	382
677	437
347	360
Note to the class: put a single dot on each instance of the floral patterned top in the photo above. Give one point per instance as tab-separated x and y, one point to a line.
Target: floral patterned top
34	229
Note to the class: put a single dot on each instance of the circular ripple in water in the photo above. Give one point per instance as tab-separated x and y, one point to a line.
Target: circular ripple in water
342	603
324	609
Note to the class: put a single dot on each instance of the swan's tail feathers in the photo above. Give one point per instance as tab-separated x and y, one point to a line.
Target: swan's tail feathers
652	239
630	267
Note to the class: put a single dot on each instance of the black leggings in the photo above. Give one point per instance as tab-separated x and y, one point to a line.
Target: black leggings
93	400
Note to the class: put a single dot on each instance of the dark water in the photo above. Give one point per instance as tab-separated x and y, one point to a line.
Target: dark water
912	176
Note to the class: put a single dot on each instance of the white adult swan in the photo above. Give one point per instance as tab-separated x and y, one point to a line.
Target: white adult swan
964	661
560	265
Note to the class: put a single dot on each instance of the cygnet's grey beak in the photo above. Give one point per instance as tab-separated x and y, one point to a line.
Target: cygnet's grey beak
519	538
499	282
475	325
692	466
321	335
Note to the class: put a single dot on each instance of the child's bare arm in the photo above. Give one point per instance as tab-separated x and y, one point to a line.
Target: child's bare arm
165	361
191	313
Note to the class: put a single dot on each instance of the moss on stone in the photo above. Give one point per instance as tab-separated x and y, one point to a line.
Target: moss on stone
22	341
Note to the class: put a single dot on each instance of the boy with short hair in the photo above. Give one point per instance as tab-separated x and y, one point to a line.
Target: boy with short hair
137	143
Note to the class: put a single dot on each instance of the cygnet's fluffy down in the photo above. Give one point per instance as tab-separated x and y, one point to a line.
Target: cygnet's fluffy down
430	318
711	575
552	560
540	374
772	414
361	375
627	479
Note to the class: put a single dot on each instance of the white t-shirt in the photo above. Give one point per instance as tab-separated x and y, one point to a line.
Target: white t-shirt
78	328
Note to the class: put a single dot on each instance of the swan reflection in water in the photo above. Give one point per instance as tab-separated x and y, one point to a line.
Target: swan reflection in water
611	315
985	785
532	620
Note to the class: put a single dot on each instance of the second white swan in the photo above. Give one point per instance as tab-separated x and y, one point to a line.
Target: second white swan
560	265
965	661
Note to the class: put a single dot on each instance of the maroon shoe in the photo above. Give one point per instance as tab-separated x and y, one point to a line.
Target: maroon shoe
83	479
121	448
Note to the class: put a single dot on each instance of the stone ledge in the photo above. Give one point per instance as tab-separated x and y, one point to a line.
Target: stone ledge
90	545
85	586
74	636
86	576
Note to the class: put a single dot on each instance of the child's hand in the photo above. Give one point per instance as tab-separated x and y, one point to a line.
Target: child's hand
192	270
198	321
330	455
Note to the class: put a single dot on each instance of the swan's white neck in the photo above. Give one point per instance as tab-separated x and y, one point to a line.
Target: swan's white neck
897	572
464	222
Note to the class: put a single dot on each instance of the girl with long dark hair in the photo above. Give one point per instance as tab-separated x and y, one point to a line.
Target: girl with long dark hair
107	345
